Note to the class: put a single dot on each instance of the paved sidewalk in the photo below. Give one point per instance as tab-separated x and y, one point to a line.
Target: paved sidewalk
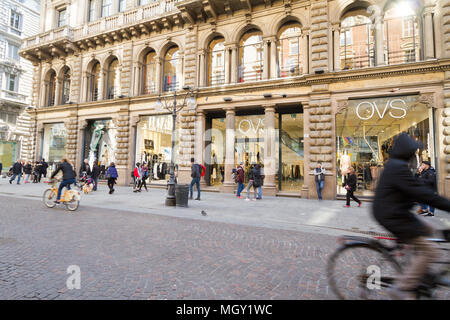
325	217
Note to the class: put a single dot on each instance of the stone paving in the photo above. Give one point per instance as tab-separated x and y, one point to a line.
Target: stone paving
129	246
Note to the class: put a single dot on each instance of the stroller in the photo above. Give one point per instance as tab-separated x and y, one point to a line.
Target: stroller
86	183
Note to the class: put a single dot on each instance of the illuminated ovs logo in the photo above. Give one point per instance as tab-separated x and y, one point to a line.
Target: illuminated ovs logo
397	109
246	126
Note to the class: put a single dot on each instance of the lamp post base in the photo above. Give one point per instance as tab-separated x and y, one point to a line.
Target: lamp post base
171	200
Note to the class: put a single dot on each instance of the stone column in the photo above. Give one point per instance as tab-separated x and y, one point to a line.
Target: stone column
58	95
44	94
273	58
227	65
306	152
228	184
266	57
159	75
82	124
202	71
270	151
234	64
39	135
132	143
305	52
337	48
428	34
71	125
84	87
102	85
199	147
379	41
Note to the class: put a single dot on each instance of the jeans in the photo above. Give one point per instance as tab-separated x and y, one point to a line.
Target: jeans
426	207
195	181
27	177
260	192
250	185
64	183
240	187
95	183
14	177
319	187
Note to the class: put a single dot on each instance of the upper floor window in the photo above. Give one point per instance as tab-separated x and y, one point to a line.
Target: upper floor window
289	53
143	2
173	73
122	5
51	94
402	33
357	41
62	17
8	117
12	83
112	80
13	51
106	8
65	90
149	76
91	13
251	62
16	22
216	62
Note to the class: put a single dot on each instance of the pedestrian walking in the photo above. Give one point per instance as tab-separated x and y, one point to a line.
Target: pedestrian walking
37	171
350	186
95	174
259	179
27	169
240	177
1	168
428	177
16	172
145	175
85	168
111	176
196	173
137	173
44	168
252	175
319	175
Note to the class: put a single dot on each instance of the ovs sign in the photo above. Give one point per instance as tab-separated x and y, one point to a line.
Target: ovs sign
366	110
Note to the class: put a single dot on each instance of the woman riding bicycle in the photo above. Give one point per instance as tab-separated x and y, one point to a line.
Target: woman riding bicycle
396	194
68	176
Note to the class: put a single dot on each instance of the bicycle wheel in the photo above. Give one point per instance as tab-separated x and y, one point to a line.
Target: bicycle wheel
361	271
49	198
72	205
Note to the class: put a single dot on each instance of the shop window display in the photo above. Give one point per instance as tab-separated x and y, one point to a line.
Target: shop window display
215	149
154	145
8	151
54	144
366	130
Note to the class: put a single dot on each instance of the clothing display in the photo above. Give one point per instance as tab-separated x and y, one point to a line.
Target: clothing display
345	164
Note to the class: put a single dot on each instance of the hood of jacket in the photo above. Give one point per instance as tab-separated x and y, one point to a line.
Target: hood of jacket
404	147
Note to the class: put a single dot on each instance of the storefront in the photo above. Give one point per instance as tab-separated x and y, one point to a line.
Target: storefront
154	145
250	146
54	142
100	143
8	149
366	129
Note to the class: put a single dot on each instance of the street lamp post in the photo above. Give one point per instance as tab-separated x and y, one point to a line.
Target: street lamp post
173	108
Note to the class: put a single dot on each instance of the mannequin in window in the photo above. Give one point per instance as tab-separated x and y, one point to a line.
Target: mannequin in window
345	163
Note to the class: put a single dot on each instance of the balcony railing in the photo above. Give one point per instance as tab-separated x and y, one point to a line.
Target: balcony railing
126	18
7	94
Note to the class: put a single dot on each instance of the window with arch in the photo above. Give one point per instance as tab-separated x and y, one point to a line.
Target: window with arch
402	43
51	94
290	54
357	41
94	82
65	90
216	61
251	60
149	75
112	79
173	73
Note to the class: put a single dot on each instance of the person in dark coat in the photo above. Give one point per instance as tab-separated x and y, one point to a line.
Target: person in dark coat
252	178
1	168
17	171
240	177
428	178
350	185
95	174
36	172
111	175
44	168
67	179
27	169
395	196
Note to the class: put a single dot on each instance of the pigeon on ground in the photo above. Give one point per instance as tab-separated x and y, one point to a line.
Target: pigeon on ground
203	213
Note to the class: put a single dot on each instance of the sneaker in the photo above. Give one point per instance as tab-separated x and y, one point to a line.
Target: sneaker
254	199
429	214
247	199
197	198
424	212
346	206
10	182
359	204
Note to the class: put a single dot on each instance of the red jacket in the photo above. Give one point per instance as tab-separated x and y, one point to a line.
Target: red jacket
240	174
136	173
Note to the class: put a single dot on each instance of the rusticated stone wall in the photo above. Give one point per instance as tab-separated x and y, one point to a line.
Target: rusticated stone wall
446	116
319	35
122	123
71	125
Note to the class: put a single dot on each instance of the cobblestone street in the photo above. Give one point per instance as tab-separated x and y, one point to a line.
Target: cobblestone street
139	256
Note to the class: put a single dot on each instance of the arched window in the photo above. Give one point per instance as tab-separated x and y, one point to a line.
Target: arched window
94	82
65	90
173	64
251	61
216	62
112	79
289	51
401	33
51	89
357	41
149	76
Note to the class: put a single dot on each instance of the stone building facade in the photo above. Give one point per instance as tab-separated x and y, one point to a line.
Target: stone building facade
283	83
18	20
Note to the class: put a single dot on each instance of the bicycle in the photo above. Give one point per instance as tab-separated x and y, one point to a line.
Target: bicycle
70	198
381	266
